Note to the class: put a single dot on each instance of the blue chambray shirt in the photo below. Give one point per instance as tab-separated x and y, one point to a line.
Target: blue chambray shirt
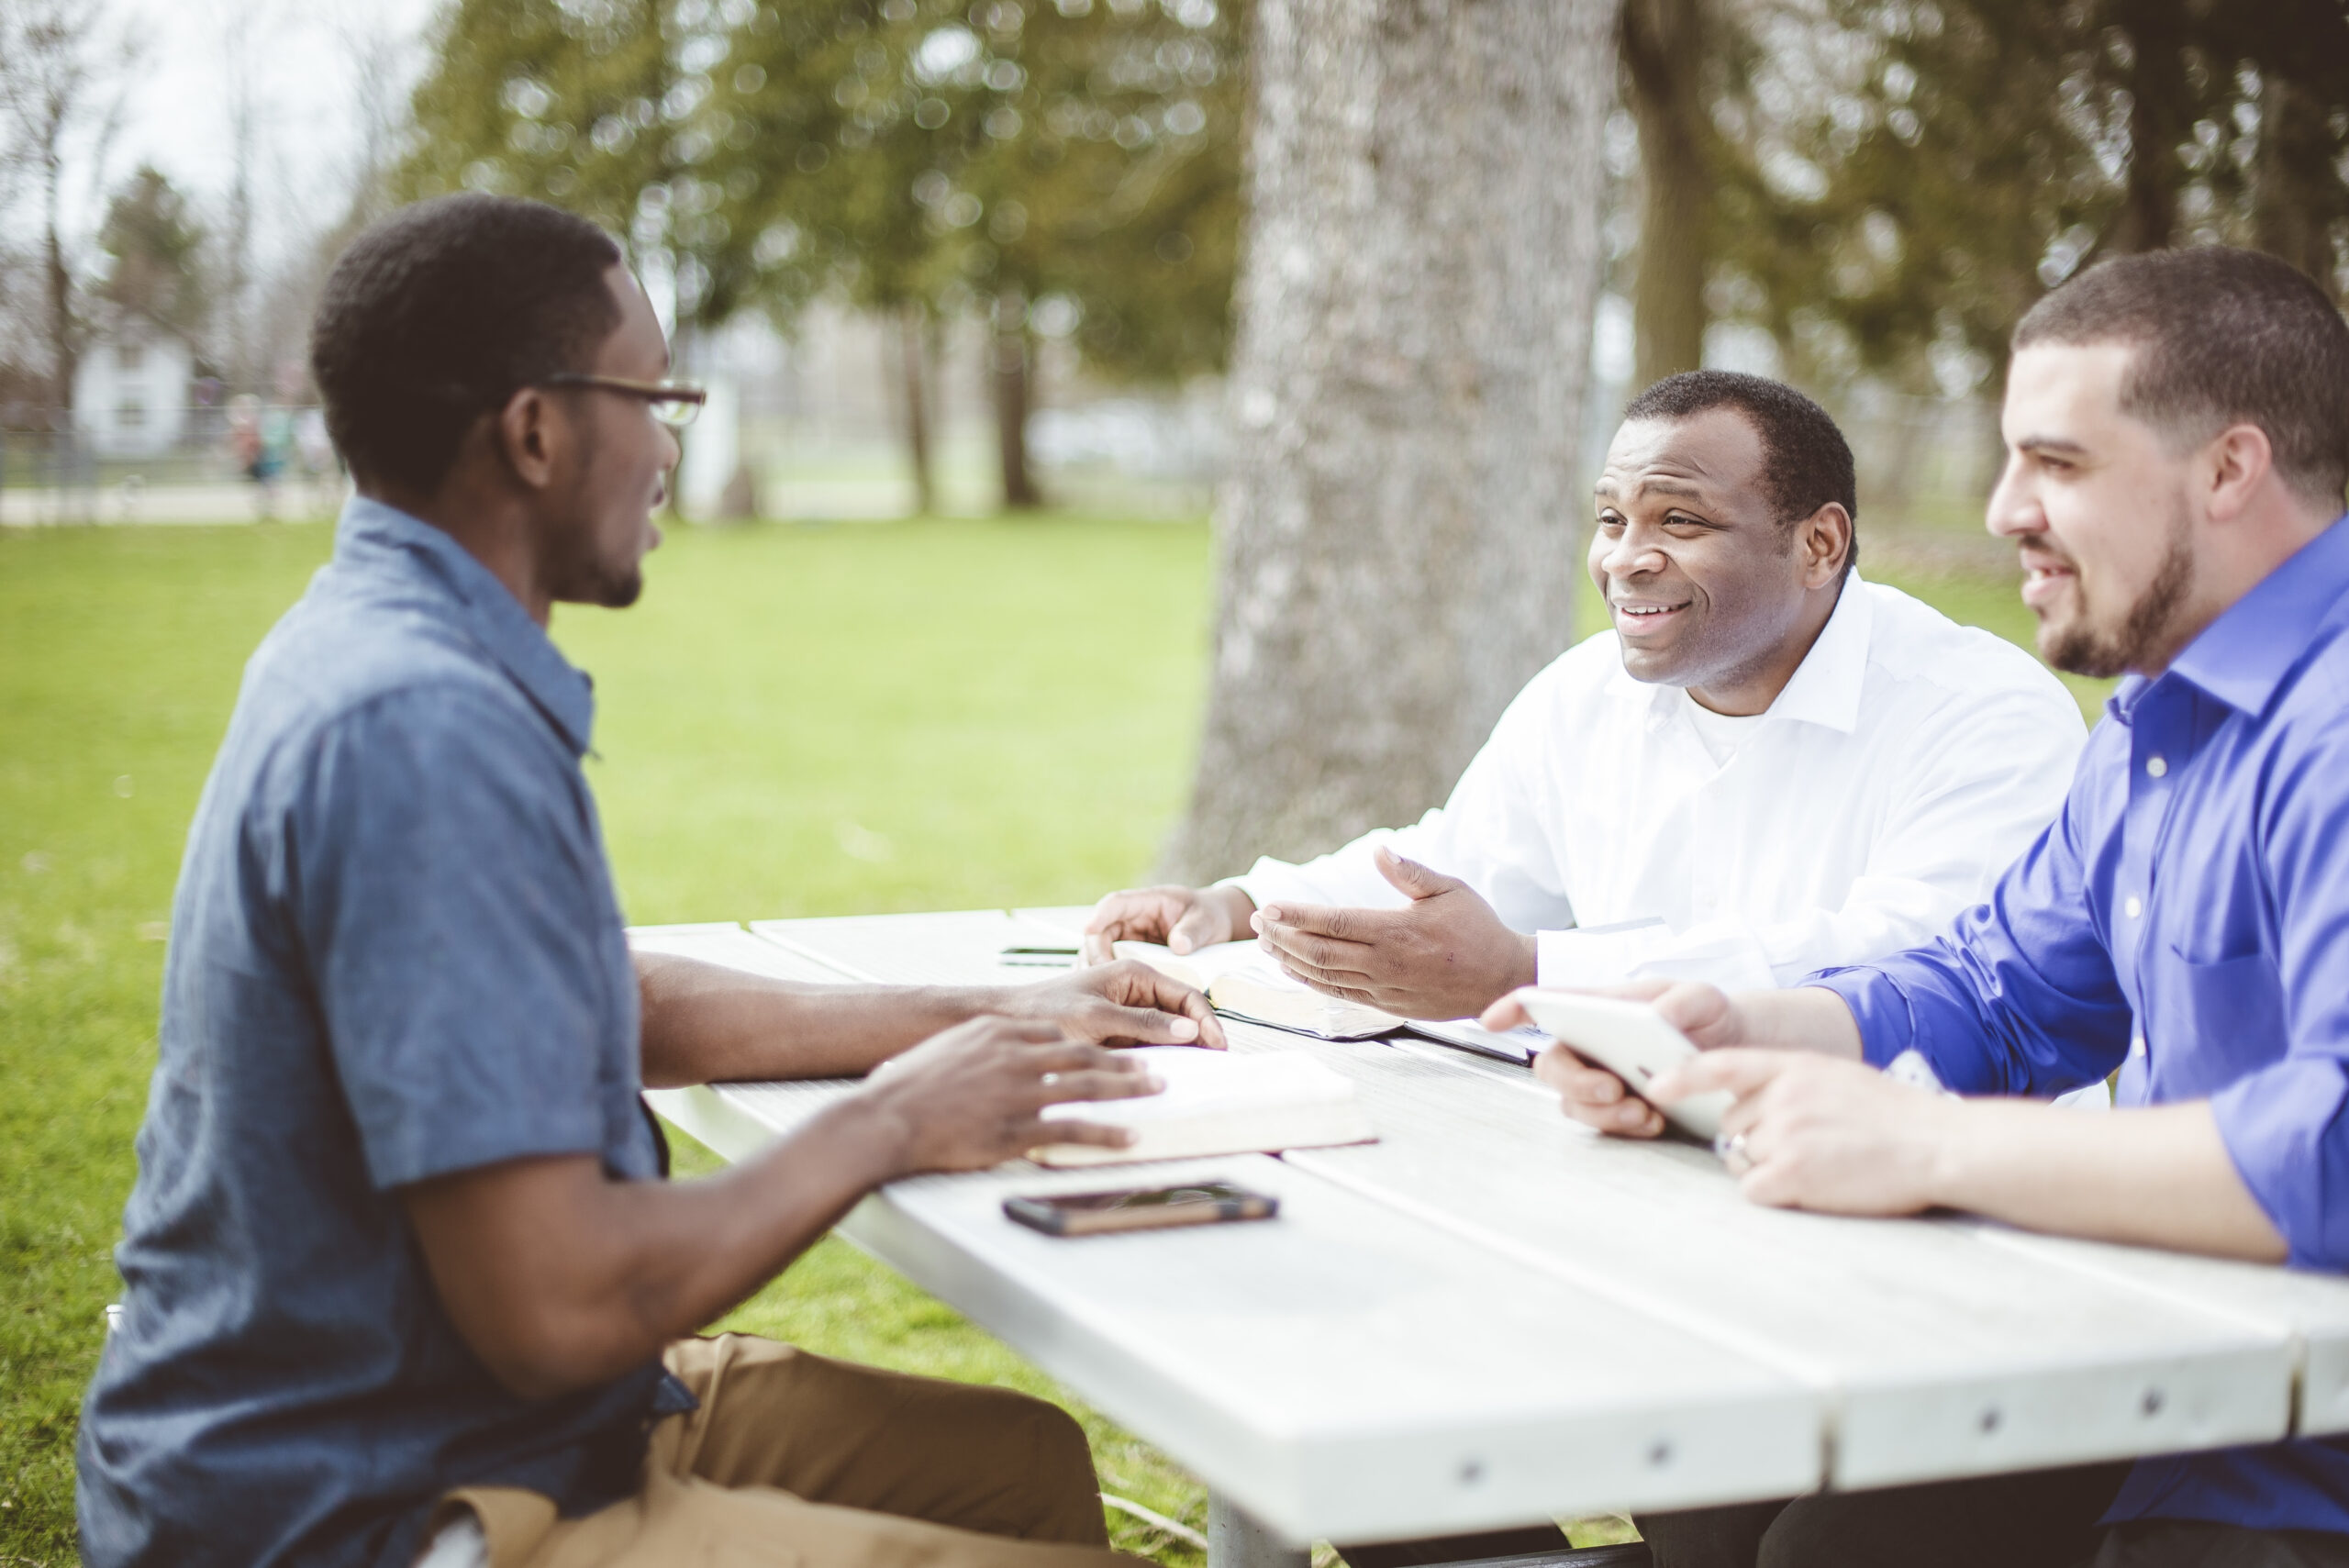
395	954
2186	919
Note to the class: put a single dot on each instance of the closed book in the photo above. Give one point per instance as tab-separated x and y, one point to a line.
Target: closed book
1218	1102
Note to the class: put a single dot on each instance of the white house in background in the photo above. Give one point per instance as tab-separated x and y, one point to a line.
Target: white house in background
131	391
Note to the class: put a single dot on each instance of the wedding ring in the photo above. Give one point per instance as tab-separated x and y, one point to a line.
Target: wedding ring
1730	1147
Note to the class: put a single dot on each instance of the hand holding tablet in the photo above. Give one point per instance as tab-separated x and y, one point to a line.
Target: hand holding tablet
1630	1040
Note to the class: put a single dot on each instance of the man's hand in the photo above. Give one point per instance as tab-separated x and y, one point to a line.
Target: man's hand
1122	1003
1185	918
1809	1131
973	1096
1589	1094
1806	1020
560	1278
1445	956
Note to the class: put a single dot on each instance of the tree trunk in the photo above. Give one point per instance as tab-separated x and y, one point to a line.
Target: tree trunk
1662	44
1013	372
57	280
912	352
2298	194
1397	531
2160	109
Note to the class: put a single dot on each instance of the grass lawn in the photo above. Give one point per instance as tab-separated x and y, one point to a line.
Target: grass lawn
795	721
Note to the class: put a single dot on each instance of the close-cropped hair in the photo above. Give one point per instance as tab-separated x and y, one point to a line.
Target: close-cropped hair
1806	463
443	311
2223	337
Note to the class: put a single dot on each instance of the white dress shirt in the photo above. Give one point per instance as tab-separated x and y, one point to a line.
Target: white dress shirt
1908	761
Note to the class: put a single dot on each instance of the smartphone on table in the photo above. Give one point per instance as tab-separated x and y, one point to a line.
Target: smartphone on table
1140	1209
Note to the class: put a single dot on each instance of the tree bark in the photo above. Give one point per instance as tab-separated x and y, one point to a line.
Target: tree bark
1397	535
1662	43
2160	112
2297	197
913	341
1013	379
58	281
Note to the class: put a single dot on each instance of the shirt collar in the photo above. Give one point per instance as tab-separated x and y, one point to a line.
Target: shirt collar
1825	687
374	539
2243	655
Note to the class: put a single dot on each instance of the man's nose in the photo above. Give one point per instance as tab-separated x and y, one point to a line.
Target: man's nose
2013	510
1632	554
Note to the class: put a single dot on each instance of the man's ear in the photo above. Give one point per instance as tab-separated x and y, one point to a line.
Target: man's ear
532	435
1823	543
2231	469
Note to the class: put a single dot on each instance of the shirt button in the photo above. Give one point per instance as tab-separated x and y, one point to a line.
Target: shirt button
2134	907
2157	766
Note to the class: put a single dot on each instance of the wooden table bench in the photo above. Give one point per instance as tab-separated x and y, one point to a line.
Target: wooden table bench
1491	1317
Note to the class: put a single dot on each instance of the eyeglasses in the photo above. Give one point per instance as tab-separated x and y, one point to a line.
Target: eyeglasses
674	403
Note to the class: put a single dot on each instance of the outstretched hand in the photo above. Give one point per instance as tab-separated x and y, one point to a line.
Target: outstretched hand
1123	1003
973	1096
1185	918
1446	955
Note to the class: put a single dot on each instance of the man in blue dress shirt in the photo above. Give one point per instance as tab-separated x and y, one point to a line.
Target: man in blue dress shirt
398	1268
2177	431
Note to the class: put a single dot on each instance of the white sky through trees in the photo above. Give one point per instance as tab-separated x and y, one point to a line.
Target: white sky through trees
177	111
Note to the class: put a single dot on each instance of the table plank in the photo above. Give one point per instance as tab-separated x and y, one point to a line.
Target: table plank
2312	1308
958	947
1946	1351
1342	1371
726	942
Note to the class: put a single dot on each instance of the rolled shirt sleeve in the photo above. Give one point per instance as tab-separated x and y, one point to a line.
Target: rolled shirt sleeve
452	917
2283	1123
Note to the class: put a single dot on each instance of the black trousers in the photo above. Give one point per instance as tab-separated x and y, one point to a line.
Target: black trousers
2043	1518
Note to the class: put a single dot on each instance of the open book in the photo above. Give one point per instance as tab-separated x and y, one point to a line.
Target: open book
1242	979
1216	1102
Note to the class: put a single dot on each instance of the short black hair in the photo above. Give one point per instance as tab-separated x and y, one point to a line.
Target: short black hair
444	310
2224	337
1806	463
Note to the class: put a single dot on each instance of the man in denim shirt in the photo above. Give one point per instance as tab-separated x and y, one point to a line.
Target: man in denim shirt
398	1254
2177	430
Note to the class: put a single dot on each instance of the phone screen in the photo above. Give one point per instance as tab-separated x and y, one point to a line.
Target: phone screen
1139	1209
1145	1197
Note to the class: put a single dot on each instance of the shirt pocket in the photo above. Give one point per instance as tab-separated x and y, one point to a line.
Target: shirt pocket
2213	1022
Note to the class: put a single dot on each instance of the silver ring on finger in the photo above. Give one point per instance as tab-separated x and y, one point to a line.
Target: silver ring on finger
1730	1147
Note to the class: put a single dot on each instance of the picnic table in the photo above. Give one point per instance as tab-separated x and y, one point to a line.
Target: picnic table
1491	1316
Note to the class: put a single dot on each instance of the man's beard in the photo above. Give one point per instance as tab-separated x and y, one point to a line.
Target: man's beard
2144	635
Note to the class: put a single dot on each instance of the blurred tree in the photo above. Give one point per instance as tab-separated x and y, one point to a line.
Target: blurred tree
64	72
1110	182
155	248
1917	174
923	157
1666	48
1397	549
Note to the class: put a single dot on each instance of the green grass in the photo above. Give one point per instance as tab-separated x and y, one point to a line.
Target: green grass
794	721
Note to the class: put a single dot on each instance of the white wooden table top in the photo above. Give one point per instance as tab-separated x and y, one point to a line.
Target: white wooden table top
1490	1317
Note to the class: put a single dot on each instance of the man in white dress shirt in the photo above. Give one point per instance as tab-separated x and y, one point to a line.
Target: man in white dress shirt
1768	766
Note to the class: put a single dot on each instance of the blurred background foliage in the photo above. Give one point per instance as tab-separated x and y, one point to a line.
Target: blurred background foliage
1879	187
1069	164
1888	184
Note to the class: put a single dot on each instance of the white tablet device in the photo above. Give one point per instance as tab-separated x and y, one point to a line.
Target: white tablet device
1631	1040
